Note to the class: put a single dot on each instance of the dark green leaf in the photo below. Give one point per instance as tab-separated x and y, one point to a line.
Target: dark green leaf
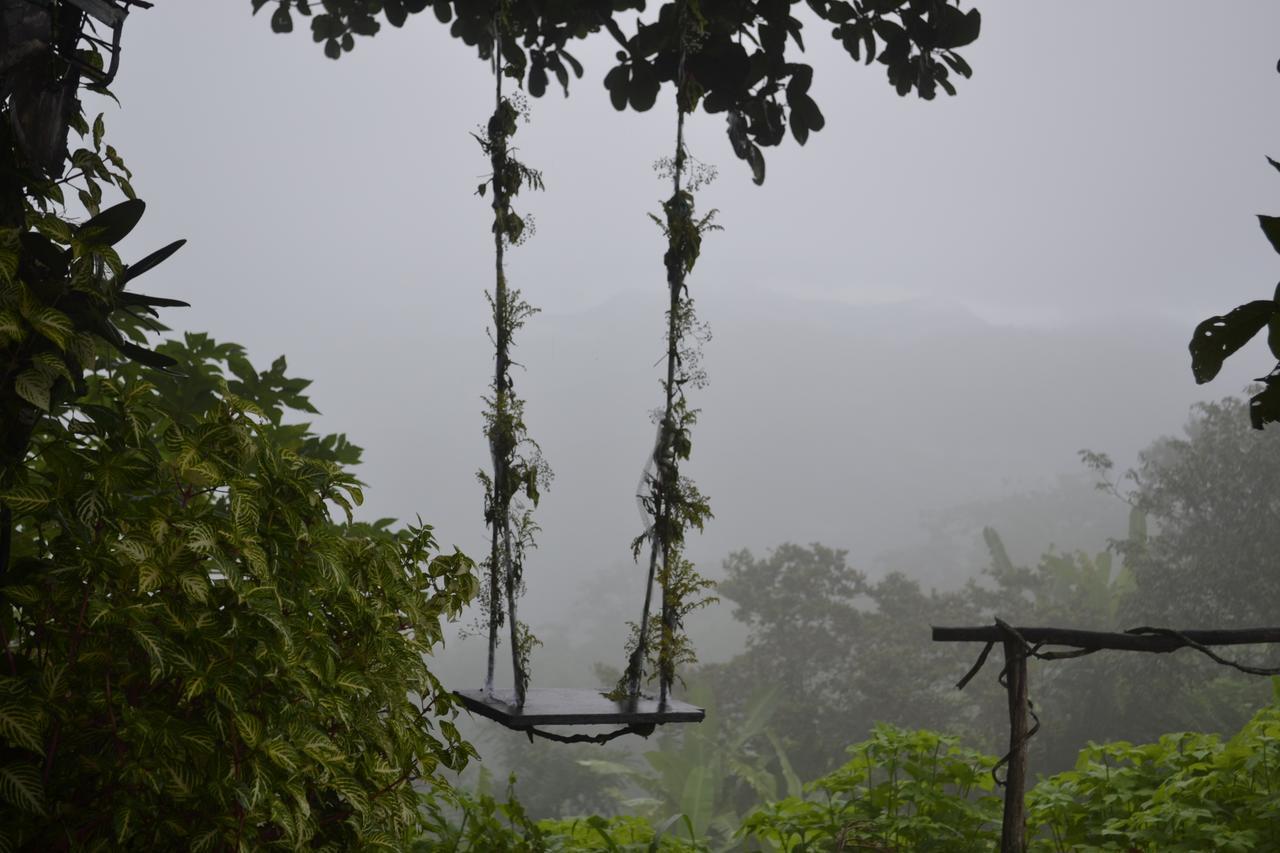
364	25
151	261
1264	407
145	356
957	63
642	93
537	78
1271	227
395	12
1218	337
130	299
616	82
113	224
573	63
281	20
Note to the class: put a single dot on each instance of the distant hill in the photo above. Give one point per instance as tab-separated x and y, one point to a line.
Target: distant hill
850	425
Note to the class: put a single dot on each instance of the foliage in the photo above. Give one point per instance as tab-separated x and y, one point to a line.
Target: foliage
900	790
1187	791
1218	337
918	791
62	285
62	288
1210	496
196	655
479	822
745	65
575	792
842	651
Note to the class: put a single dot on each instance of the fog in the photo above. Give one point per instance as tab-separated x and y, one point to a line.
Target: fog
930	306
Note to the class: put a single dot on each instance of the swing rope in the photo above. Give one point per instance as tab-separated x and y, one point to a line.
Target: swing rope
499	515
669	502
664	456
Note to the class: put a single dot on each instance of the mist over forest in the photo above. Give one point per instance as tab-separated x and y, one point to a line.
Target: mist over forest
503	306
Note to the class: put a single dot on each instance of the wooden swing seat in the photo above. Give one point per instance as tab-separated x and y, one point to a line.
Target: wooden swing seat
558	706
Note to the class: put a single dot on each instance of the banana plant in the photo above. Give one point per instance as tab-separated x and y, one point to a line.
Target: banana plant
696	775
1074	585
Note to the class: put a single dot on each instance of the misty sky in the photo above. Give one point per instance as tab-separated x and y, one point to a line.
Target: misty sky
929	303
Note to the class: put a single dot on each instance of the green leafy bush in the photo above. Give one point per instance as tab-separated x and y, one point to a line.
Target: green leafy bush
900	790
1186	792
478	823
195	655
917	791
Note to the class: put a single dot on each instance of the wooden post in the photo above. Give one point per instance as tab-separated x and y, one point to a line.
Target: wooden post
1013	829
1017	642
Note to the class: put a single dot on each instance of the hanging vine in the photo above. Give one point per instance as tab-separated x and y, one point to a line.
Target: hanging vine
669	500
512	488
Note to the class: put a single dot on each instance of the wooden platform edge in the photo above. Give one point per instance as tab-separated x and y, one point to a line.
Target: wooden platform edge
494	709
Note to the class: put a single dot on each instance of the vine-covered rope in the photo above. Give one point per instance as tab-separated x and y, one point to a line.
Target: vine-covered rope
497	154
672	502
517	465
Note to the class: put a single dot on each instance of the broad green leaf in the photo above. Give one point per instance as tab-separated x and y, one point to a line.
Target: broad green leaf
249	727
697	800
26	499
34	387
11	326
20	786
194	585
113	224
147	264
150	577
19	725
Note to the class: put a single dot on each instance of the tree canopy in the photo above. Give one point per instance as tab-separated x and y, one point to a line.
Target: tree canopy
745	65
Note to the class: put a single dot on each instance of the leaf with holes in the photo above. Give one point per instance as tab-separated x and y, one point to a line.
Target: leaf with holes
1218	337
1264	407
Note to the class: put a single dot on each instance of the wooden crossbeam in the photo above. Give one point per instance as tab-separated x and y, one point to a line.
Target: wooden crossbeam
1019	643
1127	641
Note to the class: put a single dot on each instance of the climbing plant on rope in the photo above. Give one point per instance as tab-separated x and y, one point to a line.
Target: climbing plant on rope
669	500
518	473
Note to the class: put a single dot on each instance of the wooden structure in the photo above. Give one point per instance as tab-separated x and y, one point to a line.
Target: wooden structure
1019	644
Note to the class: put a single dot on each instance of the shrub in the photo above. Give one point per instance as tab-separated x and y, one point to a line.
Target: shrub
195	655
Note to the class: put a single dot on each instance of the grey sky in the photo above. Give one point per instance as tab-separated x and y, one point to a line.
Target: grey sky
930	302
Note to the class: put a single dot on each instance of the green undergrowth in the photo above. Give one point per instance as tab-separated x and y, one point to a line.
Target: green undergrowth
924	791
